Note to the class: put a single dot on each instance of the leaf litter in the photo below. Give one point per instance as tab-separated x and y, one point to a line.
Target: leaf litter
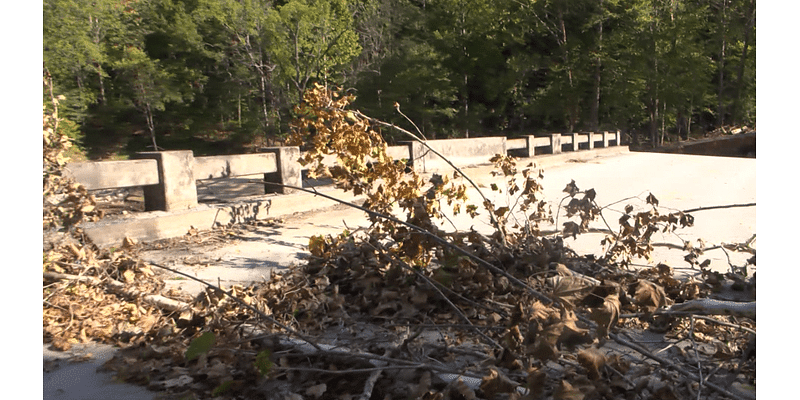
401	310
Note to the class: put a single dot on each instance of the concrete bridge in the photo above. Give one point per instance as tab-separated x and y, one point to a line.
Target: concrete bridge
180	190
680	182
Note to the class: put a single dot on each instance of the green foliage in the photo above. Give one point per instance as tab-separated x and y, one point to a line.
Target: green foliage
233	70
222	388
263	362
200	345
312	40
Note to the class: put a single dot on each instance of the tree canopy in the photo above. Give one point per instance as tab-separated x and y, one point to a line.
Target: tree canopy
141	74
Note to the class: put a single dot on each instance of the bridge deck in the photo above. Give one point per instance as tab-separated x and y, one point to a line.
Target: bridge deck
679	182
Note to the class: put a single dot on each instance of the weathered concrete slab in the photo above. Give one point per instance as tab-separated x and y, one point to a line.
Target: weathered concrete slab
400	152
114	174
150	226
462	152
741	145
289	171
234	165
156	225
517	143
176	189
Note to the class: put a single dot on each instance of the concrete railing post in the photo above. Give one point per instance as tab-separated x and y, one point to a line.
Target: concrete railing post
176	189
575	138
555	143
417	152
290	172
530	146
590	140
605	138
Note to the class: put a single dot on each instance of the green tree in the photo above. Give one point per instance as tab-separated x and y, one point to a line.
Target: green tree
149	69
249	62
312	40
732	45
75	36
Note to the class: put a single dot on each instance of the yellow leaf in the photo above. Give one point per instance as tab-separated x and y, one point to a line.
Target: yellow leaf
129	276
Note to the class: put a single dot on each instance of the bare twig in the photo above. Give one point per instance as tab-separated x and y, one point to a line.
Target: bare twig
397	107
723	323
243	304
369	385
669	364
389	360
718	207
435	238
700	380
453	326
346	371
492	217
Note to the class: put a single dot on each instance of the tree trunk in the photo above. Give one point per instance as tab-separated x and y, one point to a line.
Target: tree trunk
147	110
737	101
723	45
151	126
97	39
572	106
102	85
663	123
653	89
466	105
653	110
595	108
264	98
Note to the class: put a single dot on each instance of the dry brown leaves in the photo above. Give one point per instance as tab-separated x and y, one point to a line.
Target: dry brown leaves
65	202
393	313
78	305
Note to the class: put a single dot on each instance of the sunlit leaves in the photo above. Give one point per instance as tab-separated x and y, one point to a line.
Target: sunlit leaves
606	316
65	202
593	361
649	296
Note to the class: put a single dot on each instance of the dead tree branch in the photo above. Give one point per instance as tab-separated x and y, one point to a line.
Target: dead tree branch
243	304
123	289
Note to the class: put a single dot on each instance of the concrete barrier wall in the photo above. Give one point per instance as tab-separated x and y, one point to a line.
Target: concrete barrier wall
234	165
169	180
114	174
169	177
401	152
555	143
516	144
461	152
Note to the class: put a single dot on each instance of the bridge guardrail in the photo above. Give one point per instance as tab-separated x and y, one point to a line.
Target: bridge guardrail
169	178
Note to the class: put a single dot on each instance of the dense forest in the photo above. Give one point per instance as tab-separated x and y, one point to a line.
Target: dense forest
218	75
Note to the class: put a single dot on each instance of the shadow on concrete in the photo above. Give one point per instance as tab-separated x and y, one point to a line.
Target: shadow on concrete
740	146
249	263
